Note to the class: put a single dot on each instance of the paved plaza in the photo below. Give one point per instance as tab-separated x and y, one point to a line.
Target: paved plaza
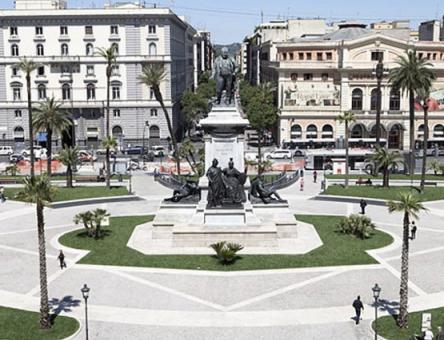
144	303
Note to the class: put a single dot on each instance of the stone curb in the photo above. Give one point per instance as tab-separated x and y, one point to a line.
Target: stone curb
349	199
74	335
97	200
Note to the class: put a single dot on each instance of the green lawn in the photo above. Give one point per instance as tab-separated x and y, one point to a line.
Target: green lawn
392	193
18	324
388	329
338	249
76	193
57	177
417	177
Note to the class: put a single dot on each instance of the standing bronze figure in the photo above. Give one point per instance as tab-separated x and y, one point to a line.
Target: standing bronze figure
223	72
216	187
234	183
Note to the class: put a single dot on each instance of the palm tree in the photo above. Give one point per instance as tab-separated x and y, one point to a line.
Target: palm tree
410	206
152	75
50	118
410	76
69	157
346	118
38	190
110	55
424	95
98	217
385	160
27	66
86	219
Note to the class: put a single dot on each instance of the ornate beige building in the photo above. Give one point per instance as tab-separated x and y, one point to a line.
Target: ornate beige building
320	77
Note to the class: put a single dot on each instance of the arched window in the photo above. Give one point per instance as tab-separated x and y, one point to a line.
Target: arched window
296	131
357	131
154	137
66	92
40	50
64	49
41	91
90	92
117	131
327	131
152	49
438	131
19	134
395	100
357	99
374	100
89	49
312	131
115	47
14	50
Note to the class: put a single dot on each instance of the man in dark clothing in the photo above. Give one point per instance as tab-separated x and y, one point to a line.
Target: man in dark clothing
413	231
362	204
358	306
315	176
61	259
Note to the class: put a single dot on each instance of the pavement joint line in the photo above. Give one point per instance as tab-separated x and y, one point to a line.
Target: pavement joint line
34	229
16	213
167	290
25	251
283	290
191	272
417	253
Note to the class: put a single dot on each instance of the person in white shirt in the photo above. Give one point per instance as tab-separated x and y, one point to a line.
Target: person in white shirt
428	335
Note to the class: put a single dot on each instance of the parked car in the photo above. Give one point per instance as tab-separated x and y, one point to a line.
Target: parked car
279	154
134	164
16	157
39	152
85	156
134	150
6	150
158	151
103	152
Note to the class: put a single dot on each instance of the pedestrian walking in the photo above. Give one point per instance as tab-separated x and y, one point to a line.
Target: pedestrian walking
61	259
428	334
413	231
2	194
363	204
315	176
358	306
439	334
301	183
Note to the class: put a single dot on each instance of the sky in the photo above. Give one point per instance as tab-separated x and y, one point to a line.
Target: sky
231	20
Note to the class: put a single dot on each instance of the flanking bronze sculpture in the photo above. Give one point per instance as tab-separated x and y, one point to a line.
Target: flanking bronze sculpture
189	189
260	191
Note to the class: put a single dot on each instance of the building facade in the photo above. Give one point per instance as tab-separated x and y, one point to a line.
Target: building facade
65	42
319	78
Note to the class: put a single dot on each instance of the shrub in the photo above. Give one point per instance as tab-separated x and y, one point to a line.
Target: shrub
357	225
226	252
92	221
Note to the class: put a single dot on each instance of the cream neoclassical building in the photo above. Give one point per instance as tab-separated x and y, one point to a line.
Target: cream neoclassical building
320	77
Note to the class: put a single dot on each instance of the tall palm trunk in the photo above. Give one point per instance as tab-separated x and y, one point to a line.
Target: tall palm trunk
49	149
386	177
31	132
44	307
412	131
159	98
69	176
402	320
108	163
424	147
260	167
346	154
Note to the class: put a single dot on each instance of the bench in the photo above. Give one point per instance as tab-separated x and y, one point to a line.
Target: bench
8	181
89	179
431	184
366	182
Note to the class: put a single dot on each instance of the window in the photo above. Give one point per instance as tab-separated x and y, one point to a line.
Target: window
116	113
312	131
291	54
115	47
63	30
377	55
324	76
301	56
90	70
308	76
14	50
327	131
89	49
18	113
294	77
374	100
40	50
65	68
152	49
153	112
296	132
14	71
319	56
88	30
115	70
309	56
66	92
115	92
284	56
329	56
39	30
41	71
64	49
357	99
420	55
151	94
41	91
13	30
438	131
152	29
16	93
90	92
114	29
395	100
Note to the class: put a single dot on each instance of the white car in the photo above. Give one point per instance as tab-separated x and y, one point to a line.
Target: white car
39	152
279	154
158	150
6	150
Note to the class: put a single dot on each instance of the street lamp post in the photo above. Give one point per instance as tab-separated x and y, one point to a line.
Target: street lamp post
143	140
85	292
379	72
376	291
